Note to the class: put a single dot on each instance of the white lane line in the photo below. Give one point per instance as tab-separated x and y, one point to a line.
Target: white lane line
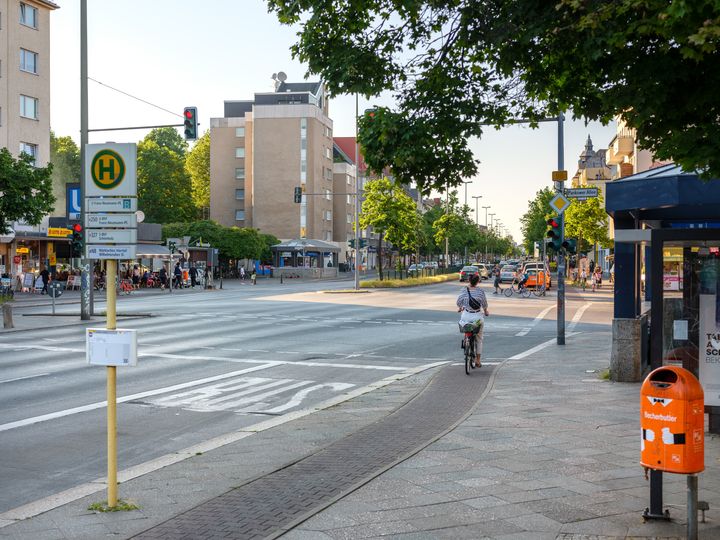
23	378
535	349
537	319
302	394
100	404
578	315
73	494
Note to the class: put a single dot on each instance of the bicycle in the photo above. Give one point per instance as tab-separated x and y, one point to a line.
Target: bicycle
468	344
512	289
539	291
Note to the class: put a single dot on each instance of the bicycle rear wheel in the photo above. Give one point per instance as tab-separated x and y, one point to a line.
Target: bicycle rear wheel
525	293
469	354
508	291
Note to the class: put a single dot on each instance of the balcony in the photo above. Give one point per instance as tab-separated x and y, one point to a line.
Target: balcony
622	146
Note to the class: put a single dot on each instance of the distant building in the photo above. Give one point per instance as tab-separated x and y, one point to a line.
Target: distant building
262	149
25	111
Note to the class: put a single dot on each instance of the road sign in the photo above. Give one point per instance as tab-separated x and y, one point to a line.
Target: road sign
111	170
111	236
58	232
559	203
100	221
103	251
22	250
55	289
114	204
559	176
105	347
581	193
72	195
53	259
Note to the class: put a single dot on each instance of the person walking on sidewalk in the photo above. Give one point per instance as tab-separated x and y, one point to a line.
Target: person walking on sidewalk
496	280
473	307
45	276
193	275
178	276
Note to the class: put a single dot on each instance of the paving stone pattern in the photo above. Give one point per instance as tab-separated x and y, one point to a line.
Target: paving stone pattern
267	506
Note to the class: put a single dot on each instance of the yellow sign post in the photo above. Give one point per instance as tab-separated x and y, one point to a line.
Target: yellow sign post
111	324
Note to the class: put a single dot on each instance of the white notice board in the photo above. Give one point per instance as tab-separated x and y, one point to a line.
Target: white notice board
105	347
709	365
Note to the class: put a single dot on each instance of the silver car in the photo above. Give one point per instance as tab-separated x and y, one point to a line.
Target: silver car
482	270
508	273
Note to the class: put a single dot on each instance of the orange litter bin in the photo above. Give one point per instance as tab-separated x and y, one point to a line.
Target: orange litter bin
672	421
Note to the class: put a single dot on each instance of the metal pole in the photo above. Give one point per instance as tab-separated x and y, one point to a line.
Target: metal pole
486	232
85	285
111	392
357	201
561	256
692	506
447	212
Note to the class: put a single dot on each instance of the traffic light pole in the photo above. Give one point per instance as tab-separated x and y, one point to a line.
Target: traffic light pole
560	188
357	199
86	299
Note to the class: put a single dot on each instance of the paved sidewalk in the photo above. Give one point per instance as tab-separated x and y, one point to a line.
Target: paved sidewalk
551	452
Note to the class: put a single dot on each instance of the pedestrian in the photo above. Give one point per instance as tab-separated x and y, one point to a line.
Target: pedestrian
612	273
178	276
473	307
163	277
253	277
193	275
496	281
592	266
45	276
242	272
136	277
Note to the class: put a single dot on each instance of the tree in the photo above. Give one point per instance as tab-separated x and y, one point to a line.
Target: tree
457	65
391	213
533	223
25	190
164	191
65	157
587	221
169	138
198	166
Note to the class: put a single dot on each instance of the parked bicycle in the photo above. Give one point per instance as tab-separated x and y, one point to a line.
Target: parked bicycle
515	288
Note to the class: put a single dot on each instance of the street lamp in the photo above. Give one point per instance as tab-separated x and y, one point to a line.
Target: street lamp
476	197
486	231
466	183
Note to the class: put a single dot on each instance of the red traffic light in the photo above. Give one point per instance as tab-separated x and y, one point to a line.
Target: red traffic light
77	227
553	222
189	113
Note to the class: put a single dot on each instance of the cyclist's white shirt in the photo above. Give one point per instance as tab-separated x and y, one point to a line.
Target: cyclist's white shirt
463	302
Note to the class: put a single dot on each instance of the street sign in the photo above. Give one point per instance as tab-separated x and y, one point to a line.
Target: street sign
109	252
115	204
55	289
72	195
559	176
111	236
581	193
111	170
99	221
105	347
58	232
559	203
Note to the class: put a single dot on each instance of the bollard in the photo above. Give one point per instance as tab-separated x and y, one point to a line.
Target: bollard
7	315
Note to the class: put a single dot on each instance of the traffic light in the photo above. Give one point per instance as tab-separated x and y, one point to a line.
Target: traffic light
570	245
172	247
190	122
77	241
297	197
363	243
554	233
351	243
370	113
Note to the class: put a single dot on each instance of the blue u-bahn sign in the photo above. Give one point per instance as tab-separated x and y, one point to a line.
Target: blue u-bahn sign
72	196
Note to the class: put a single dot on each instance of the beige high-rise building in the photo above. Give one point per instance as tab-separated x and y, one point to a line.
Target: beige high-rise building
25	107
261	150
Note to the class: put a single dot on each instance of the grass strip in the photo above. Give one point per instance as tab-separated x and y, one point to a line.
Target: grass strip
410	282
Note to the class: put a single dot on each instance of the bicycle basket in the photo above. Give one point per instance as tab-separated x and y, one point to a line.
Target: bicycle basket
469	327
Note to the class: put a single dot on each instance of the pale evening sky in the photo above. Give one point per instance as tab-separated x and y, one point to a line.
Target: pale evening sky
177	53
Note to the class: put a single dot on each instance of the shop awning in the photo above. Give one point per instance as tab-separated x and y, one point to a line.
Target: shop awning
154	251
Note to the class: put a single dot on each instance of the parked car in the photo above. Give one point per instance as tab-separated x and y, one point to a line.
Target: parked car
432	264
467	271
507	273
415	268
482	270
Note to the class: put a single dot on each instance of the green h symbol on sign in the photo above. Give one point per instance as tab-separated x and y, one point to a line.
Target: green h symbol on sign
106	166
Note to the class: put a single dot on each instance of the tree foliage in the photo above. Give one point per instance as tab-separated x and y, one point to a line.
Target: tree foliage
65	157
533	223
198	166
392	213
457	65
164	191
169	138
25	190
587	222
232	242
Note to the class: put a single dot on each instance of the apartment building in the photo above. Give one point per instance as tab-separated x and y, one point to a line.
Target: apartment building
262	149
25	101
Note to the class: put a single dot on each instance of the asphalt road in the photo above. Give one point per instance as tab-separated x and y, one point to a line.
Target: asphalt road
213	362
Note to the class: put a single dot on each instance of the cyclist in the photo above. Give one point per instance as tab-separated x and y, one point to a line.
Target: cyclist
472	303
523	280
583	278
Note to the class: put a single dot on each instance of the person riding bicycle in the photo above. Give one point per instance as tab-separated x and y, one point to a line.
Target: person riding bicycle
473	307
523	280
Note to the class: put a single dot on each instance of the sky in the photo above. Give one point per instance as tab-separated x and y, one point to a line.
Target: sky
178	53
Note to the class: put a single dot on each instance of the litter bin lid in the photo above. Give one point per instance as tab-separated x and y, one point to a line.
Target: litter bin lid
672	382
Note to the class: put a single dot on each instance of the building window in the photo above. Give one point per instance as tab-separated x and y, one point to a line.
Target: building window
28	15
239	215
240	173
328	215
328	235
328	195
349	180
240	152
328	132
349	198
240	194
28	107
28	61
328	153
30	149
349	218
240	132
328	174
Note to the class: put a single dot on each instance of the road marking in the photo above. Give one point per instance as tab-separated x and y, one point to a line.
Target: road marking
578	315
535	349
23	378
100	404
302	394
537	319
